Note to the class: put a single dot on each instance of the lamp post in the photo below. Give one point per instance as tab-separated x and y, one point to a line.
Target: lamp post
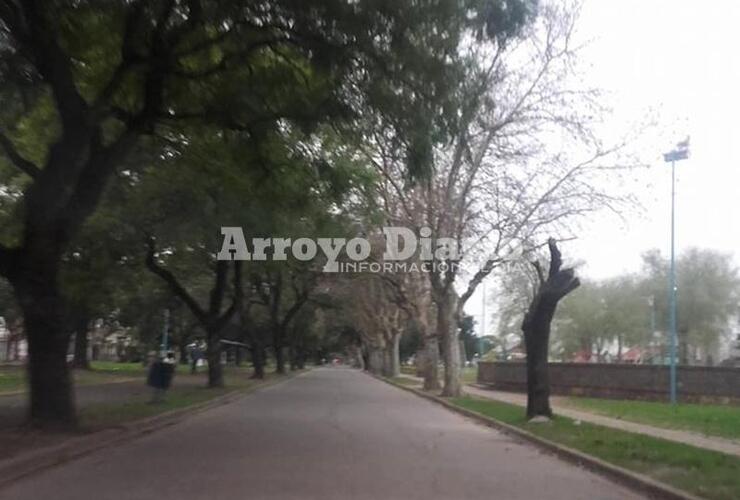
681	152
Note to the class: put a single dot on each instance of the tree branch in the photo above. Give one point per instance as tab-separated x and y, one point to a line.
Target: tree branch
29	168
175	286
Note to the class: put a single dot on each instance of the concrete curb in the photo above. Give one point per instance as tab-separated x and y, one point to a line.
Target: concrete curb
73	448
638	482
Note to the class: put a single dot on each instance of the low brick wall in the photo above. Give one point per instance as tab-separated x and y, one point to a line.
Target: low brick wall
651	382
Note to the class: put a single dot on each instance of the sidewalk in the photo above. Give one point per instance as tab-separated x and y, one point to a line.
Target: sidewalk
727	446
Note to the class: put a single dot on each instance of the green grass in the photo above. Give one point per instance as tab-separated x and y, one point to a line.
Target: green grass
712	420
408	370
405	381
12	378
469	374
118	368
704	473
179	396
104	415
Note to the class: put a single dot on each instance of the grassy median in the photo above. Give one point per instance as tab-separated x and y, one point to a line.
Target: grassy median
13	377
704	473
187	390
139	406
712	420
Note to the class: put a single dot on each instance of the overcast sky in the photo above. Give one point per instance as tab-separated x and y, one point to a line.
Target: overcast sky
677	60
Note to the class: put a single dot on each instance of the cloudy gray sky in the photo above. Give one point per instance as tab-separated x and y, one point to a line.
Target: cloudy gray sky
677	61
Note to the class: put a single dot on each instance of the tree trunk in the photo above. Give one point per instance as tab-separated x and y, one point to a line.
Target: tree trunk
293	354
394	358
536	328
360	359
446	329
81	360
9	345
51	396
537	341
366	358
431	363
375	360
387	369
184	351
279	359
213	355
258	361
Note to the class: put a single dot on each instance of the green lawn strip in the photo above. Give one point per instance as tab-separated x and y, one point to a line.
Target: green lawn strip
12	378
114	367
179	396
712	420
406	381
704	473
408	370
469	374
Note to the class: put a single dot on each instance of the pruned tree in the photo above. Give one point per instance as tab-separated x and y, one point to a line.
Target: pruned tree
552	287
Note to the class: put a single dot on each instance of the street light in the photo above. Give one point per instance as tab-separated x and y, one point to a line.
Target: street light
681	152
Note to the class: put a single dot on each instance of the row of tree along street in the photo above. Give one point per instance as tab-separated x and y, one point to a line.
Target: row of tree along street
132	131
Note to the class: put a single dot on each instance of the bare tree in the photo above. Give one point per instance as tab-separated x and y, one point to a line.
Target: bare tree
525	160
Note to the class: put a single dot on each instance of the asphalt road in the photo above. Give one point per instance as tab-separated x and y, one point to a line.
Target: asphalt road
328	434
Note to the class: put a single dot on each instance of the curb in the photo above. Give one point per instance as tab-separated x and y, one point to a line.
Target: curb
639	482
76	447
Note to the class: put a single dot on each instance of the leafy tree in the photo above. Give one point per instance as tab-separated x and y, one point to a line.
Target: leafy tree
708	290
601	313
88	80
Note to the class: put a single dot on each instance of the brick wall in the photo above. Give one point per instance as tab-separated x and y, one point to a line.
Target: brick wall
695	383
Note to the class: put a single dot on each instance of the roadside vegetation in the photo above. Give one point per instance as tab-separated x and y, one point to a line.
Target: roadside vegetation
183	395
701	472
13	377
712	420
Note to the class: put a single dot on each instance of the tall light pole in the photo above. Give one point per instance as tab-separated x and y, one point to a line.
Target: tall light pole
681	152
